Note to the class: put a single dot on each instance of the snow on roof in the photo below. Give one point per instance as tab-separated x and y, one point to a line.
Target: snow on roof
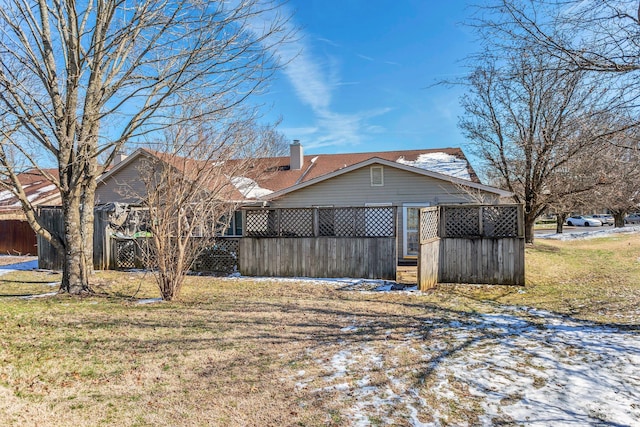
443	163
249	188
5	195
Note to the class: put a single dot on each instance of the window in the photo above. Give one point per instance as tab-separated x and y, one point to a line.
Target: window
235	225
377	176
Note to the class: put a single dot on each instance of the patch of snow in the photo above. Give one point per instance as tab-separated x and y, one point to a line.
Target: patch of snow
6	195
589	233
48	294
149	301
440	162
249	188
560	372
21	266
522	366
40	191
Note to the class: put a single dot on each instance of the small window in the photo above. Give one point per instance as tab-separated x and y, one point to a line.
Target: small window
377	176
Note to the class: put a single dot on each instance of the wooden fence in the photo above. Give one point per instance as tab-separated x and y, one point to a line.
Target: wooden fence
320	242
218	257
18	238
116	247
49	258
477	244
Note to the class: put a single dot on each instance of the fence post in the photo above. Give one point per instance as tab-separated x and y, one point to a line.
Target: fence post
316	222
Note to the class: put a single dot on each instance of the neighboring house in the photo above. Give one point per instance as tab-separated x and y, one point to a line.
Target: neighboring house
16	235
407	179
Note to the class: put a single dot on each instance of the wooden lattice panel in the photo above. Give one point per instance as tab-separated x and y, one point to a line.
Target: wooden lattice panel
428	224
346	223
326	222
221	257
462	221
134	253
125	254
296	223
500	221
379	222
261	223
338	222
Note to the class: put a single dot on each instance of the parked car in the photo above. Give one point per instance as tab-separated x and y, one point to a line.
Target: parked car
604	219
583	221
633	218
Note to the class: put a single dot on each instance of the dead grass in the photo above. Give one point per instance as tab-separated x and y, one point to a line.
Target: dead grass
243	352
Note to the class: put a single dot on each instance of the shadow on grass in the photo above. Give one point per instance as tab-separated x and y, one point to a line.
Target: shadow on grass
253	335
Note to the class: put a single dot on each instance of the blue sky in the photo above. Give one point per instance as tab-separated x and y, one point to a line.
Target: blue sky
363	79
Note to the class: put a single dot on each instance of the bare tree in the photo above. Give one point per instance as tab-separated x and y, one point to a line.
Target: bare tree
192	187
596	36
622	194
527	120
78	80
572	188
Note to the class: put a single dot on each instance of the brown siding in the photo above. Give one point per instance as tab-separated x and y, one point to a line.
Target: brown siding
17	238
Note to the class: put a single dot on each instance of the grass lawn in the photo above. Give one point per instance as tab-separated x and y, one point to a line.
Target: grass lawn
244	352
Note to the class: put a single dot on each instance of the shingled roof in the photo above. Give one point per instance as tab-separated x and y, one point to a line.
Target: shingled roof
38	189
315	166
275	174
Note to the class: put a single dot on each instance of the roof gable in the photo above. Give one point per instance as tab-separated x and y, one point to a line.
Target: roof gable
392	164
315	166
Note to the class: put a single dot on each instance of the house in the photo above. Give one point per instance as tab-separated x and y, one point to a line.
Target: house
16	235
405	179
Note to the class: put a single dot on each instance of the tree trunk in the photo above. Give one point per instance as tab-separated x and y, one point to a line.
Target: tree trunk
87	225
529	223
75	274
618	218
560	219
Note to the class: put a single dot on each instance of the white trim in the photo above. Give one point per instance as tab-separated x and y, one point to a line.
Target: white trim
404	225
372	175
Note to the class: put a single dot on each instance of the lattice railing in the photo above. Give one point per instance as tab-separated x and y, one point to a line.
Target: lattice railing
262	223
429	224
312	222
296	222
500	221
462	221
493	221
126	254
220	257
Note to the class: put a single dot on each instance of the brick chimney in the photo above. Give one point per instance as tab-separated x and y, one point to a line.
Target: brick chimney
297	155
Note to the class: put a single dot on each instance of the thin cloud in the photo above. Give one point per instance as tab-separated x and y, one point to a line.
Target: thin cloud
365	57
327	41
313	81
